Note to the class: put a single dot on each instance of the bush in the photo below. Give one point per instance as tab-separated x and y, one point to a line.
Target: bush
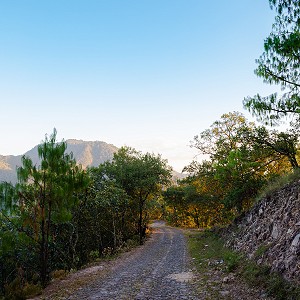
18	290
277	183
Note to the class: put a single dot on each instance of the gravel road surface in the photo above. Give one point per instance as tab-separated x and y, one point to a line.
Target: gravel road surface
159	270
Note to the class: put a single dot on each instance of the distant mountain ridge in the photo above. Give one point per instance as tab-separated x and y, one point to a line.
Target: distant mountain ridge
86	153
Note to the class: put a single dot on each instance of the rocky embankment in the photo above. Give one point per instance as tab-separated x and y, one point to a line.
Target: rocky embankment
270	232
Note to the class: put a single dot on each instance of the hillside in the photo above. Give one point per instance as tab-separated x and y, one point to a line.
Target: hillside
270	232
86	153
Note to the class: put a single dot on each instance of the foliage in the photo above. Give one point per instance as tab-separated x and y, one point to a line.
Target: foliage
102	220
42	199
274	284
223	136
17	289
174	199
194	203
277	183
209	253
141	176
279	65
261	250
235	165
242	158
237	178
59	217
276	145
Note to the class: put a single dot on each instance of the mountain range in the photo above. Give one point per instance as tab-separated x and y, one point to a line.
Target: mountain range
86	153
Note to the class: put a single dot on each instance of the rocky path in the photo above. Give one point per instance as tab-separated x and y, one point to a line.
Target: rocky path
159	270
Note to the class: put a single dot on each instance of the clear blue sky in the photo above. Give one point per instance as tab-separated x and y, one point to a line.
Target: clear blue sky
141	73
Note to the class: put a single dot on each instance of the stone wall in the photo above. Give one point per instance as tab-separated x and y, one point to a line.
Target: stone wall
270	232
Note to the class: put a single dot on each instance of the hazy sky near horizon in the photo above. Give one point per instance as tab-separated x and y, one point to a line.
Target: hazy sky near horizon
141	73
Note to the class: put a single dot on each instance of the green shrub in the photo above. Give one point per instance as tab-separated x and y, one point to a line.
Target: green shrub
208	247
232	260
261	250
59	274
94	255
277	183
31	290
18	290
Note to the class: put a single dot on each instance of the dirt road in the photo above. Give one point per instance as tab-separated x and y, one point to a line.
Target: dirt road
158	270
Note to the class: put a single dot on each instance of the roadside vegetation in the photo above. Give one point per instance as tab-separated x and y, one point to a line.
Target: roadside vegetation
59	217
244	162
241	157
210	256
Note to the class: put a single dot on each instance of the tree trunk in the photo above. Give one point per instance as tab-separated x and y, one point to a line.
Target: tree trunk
114	232
197	218
45	231
140	227
43	269
293	161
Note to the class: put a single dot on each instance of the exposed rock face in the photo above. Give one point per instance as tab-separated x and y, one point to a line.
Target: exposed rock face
270	232
91	153
86	153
